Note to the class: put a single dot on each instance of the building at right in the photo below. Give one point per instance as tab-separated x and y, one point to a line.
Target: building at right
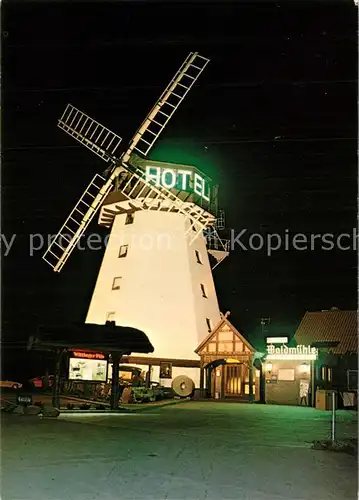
322	357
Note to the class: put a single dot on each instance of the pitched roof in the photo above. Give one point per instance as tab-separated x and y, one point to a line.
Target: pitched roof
224	321
327	326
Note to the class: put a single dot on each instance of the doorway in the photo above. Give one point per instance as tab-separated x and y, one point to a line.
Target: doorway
233	380
226	380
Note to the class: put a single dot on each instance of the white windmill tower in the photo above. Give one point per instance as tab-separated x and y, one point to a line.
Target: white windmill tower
155	274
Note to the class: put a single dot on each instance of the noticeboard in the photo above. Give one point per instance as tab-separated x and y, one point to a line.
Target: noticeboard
89	370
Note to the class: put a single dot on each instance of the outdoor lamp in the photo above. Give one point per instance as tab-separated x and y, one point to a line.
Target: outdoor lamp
269	367
304	368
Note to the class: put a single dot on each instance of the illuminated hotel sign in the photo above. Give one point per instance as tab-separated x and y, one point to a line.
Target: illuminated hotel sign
285	352
180	179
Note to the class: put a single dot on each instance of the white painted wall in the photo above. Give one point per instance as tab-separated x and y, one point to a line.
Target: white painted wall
160	287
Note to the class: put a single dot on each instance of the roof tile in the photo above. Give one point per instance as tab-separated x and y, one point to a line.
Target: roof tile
333	325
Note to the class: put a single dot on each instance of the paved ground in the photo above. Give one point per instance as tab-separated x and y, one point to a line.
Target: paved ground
188	451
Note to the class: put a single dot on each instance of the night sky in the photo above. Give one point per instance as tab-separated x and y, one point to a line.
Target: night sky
272	120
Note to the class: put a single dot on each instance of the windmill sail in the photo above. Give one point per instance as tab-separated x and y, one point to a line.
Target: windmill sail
75	225
99	139
163	110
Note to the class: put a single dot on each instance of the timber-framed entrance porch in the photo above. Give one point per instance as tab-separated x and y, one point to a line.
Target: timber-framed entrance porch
226	365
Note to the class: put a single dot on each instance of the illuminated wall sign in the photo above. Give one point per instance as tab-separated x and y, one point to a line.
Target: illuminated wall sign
93	370
277	340
285	352
88	355
185	180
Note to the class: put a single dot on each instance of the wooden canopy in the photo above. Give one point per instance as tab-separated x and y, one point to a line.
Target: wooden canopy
105	338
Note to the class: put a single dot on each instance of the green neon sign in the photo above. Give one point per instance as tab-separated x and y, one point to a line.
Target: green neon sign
180	179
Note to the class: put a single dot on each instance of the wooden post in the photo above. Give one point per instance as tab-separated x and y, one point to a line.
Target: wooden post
201	381
262	384
223	374
56	381
250	380
116	357
46	379
313	383
209	385
243	378
148	376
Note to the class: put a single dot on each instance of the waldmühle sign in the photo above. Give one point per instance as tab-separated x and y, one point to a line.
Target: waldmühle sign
285	352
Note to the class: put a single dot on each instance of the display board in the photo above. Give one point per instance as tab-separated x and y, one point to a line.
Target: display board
92	370
286	374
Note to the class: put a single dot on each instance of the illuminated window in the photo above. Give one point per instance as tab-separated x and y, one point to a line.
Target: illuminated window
326	374
116	284
129	219
203	290
123	251
110	316
209	326
198	257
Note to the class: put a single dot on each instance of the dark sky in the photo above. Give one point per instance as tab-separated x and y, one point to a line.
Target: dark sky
272	120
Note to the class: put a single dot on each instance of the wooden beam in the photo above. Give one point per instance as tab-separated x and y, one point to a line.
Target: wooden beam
181	363
116	357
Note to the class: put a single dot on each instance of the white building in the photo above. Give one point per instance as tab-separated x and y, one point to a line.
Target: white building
153	278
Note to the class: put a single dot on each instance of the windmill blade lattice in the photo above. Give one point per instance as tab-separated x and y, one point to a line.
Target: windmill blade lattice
75	225
167	104
99	139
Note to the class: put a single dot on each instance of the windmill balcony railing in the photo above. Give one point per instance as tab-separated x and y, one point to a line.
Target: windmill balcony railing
218	244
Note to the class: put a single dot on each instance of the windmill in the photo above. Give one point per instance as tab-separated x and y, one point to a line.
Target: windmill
146	288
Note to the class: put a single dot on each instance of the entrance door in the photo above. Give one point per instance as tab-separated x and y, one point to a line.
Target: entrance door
233	380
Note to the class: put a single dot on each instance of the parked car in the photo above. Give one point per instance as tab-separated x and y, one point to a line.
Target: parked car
39	382
10	384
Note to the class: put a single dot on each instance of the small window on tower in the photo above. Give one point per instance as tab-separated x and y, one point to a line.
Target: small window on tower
116	284
203	290
129	218
123	251
198	257
209	326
